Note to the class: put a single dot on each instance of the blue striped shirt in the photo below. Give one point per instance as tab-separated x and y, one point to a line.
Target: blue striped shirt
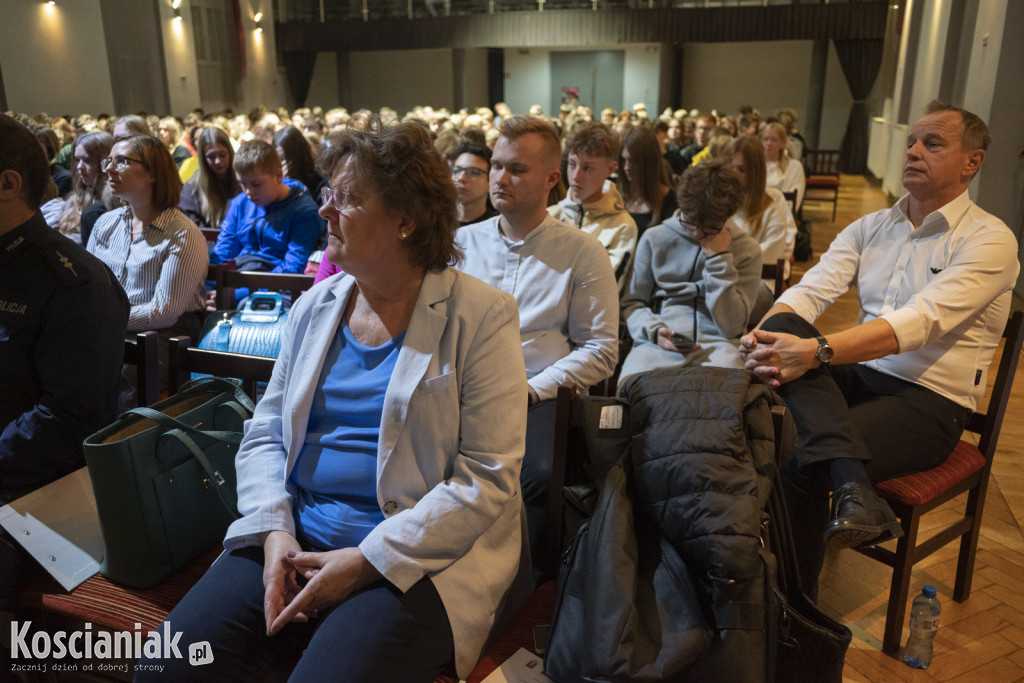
162	270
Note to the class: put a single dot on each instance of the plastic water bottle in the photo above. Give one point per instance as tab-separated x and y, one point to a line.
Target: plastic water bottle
924	622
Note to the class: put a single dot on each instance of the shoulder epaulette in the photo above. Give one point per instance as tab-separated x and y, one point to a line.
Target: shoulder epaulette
68	270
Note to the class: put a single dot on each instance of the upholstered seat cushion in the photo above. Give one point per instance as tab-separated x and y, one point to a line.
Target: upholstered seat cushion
915	489
822	181
104	603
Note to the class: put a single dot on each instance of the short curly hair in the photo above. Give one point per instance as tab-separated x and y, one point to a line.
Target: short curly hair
404	169
710	192
595	139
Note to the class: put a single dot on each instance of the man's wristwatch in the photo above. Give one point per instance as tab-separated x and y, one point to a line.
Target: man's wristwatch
825	352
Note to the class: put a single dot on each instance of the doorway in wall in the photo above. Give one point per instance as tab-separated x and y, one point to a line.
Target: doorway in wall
596	73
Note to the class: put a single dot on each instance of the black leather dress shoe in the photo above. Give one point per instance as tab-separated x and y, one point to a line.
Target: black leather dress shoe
860	517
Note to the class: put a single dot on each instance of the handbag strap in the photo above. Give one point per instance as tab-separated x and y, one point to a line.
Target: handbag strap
173	423
223	384
215	476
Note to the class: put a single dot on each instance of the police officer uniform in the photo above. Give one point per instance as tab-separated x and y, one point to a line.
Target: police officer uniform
63	318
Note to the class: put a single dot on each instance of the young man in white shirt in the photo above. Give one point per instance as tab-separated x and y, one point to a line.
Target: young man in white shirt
891	395
562	281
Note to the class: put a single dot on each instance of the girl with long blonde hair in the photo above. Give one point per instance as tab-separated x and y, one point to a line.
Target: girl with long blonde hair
90	195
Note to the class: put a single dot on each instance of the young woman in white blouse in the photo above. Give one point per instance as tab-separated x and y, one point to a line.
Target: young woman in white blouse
157	254
784	174
764	213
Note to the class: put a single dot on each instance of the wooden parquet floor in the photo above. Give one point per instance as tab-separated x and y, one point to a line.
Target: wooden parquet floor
983	638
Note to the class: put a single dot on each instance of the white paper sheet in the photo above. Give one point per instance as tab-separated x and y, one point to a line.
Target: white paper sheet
58	525
522	667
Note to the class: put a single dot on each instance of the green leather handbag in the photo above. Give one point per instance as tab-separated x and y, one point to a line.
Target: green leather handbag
164	480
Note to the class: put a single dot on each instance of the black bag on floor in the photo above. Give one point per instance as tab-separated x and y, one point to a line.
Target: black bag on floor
812	645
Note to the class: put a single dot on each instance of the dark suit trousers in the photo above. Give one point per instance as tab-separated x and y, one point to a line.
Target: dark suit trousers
895	426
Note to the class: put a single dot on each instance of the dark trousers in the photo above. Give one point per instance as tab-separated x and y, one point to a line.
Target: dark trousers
851	411
535	478
377	634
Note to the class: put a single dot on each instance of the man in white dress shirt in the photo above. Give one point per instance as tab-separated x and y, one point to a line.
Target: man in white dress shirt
891	395
562	281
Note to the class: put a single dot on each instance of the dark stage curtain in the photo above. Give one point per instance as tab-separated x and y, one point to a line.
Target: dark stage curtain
299	68
861	60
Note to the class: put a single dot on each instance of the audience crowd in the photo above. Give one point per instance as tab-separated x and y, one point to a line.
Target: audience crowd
616	244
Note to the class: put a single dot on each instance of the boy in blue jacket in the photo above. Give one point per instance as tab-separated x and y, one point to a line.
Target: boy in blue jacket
272	225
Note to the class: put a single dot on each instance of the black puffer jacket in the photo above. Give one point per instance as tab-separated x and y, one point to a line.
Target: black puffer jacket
703	462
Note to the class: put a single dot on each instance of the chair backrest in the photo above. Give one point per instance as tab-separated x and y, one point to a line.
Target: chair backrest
227	280
791	200
142	351
988	424
822	162
774	271
185	359
210	234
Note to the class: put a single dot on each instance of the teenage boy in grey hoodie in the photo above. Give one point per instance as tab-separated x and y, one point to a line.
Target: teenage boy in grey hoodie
695	281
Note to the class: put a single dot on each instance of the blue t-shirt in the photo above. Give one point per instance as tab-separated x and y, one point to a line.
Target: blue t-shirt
336	471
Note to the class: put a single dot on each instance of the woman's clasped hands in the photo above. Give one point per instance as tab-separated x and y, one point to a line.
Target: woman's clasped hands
330	577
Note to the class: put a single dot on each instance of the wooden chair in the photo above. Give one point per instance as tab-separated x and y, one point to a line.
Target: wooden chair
822	176
965	470
791	200
227	280
211	234
775	271
185	359
142	352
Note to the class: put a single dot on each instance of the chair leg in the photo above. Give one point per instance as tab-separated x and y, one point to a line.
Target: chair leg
899	589
969	542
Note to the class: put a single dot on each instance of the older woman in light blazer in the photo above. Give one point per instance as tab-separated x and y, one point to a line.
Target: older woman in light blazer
379	477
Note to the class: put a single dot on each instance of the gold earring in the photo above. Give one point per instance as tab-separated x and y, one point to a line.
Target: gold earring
402	235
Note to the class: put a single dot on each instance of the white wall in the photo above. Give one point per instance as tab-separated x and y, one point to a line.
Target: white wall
476	78
930	54
528	73
768	76
528	79
986	47
640	76
402	78
54	57
179	58
265	81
